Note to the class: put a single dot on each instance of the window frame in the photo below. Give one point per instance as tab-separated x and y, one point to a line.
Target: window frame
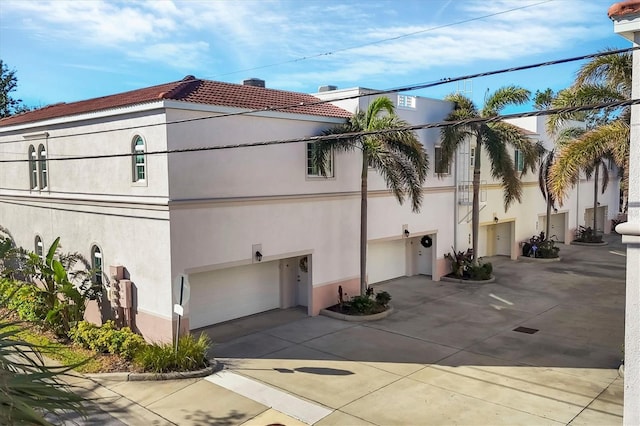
43	173
436	162
139	152
318	175
406	101
39	244
518	160
97	267
33	168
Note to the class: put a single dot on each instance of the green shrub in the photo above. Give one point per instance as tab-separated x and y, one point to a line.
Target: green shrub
383	298
481	272
162	358
23	298
361	304
107	338
588	235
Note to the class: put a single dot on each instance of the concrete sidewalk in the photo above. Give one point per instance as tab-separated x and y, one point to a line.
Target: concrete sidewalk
448	355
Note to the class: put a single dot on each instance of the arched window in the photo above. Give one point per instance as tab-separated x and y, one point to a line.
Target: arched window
139	159
39	247
42	161
96	264
33	168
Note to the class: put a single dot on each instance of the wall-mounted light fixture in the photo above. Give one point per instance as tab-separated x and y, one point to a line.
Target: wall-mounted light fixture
258	256
495	219
407	233
555	210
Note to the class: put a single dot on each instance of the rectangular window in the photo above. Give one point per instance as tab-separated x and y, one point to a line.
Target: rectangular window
519	160
313	171
406	101
472	158
442	169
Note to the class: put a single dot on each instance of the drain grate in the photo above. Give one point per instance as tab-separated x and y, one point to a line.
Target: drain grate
526	330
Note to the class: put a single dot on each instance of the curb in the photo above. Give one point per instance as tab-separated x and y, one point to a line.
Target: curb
460	280
357	318
539	259
174	375
580	243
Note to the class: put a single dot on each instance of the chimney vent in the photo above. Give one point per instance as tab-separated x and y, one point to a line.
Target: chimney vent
255	82
327	88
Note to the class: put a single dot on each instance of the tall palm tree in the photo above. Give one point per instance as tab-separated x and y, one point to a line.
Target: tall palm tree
543	182
396	154
572	143
494	137
603	79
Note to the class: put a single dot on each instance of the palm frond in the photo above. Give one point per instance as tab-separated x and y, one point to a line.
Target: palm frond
503	97
517	138
379	105
612	70
463	104
502	166
584	152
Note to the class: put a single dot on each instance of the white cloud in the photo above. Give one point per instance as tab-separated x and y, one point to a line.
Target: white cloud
191	35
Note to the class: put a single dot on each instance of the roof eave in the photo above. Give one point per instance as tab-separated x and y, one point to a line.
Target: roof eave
91	115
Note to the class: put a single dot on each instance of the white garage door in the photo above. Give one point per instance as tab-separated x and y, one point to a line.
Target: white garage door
557	226
386	260
231	293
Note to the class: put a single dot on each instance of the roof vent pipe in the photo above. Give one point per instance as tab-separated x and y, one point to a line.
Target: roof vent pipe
255	82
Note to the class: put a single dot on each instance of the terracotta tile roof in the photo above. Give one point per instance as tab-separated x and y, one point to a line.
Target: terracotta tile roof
189	89
624	8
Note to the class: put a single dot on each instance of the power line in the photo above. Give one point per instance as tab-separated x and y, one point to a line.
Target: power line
307	139
400	89
384	40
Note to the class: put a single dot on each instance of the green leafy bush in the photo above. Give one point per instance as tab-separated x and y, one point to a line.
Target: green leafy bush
540	247
362	304
162	357
383	298
107	338
462	266
460	262
481	272
24	299
587	235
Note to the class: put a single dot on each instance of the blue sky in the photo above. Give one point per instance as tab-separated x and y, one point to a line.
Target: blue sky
65	51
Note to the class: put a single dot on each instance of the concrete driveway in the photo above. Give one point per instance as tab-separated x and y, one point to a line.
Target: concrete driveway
450	355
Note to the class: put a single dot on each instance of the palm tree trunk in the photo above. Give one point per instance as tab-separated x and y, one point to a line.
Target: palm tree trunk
363	224
547	228
475	213
595	200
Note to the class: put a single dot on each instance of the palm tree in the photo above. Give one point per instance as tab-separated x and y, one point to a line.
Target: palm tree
603	79
493	137
543	182
572	143
396	154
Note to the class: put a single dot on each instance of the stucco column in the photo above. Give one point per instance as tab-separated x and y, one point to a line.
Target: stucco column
626	18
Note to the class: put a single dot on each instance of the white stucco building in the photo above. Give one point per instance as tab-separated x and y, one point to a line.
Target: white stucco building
253	228
146	180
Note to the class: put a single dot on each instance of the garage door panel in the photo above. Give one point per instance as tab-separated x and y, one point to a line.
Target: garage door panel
231	293
386	260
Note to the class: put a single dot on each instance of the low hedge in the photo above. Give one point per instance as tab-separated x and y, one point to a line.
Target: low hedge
107	338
